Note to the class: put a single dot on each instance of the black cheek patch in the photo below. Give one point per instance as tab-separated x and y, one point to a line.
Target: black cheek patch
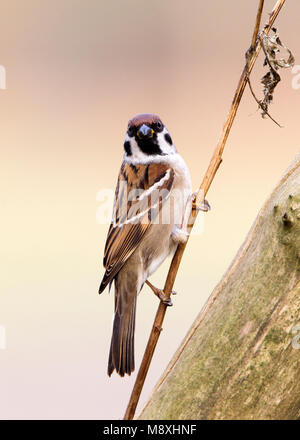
168	138
127	148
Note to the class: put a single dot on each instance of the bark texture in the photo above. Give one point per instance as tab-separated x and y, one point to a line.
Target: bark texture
240	359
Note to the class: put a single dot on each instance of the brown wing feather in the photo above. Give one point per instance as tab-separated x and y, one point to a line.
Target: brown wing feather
131	220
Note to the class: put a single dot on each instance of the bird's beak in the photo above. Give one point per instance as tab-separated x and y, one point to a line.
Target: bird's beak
145	132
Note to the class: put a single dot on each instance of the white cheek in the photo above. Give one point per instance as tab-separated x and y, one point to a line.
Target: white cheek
164	145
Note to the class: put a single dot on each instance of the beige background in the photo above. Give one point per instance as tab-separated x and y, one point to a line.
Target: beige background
76	72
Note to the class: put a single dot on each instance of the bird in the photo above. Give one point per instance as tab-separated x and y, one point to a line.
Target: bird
153	199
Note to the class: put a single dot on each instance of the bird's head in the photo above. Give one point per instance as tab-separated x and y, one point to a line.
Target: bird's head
147	137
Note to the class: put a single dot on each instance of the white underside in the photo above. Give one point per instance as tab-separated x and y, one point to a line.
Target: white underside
180	193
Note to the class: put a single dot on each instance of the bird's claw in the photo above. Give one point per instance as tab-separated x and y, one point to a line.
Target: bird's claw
203	206
164	299
161	295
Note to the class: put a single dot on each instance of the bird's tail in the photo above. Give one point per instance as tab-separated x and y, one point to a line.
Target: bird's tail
121	354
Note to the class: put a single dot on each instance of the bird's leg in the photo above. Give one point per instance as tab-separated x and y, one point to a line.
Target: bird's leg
160	294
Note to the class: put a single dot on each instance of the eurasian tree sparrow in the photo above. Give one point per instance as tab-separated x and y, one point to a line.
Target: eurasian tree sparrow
153	200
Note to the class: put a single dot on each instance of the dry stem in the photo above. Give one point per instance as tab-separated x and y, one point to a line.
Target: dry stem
207	180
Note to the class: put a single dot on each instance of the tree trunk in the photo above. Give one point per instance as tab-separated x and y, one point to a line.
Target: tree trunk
240	359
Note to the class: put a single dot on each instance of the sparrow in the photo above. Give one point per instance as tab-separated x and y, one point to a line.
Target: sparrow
153	199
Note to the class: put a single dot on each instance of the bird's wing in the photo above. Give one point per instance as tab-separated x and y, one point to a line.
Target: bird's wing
140	192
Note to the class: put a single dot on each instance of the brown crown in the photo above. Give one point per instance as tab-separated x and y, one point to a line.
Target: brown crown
144	118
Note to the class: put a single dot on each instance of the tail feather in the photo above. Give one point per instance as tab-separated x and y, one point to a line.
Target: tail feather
121	354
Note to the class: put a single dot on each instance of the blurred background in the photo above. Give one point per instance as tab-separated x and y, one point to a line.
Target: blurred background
76	71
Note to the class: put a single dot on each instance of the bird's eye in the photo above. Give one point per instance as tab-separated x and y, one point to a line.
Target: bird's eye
159	126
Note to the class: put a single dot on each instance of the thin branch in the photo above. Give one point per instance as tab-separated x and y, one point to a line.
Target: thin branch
257	23
204	187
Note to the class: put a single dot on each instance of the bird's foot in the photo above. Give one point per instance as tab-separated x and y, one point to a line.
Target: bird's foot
164	299
160	294
202	206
